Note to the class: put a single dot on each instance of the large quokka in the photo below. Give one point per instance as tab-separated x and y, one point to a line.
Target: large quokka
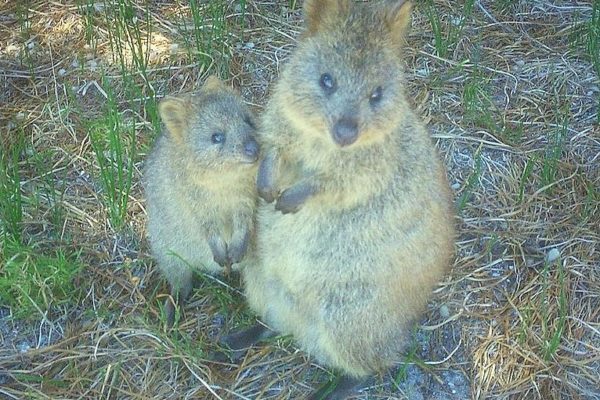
200	186
362	227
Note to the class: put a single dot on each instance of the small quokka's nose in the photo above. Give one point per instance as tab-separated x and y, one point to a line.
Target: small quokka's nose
251	149
345	131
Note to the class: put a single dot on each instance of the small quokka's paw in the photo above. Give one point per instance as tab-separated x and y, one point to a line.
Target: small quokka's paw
238	248
219	250
222	260
292	199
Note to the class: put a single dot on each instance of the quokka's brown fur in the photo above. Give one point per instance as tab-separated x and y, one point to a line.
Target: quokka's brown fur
200	185
366	223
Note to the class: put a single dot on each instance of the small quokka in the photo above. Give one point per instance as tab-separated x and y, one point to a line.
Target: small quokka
200	186
362	226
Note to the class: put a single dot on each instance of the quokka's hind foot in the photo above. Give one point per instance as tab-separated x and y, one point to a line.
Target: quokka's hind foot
237	343
170	310
337	389
174	303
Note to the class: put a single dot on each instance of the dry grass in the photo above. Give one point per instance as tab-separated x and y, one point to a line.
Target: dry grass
513	107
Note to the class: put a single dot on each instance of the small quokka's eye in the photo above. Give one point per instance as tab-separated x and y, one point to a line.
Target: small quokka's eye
327	82
376	95
218	138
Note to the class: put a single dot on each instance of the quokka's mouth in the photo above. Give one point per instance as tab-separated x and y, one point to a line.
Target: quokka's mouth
248	159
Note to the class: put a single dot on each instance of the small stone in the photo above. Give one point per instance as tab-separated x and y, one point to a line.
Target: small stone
424	72
520	63
455	186
92	64
552	255
444	311
20	116
30	45
62	72
456	20
24	347
75	64
530	262
249	45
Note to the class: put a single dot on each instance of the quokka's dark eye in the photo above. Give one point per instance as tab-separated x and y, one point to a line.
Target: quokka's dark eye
376	95
327	83
218	138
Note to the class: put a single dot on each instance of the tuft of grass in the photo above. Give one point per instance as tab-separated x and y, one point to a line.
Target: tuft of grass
552	154
552	329
207	44
87	8
593	44
411	357
525	177
32	280
129	38
113	141
11	199
479	108
471	184
482	113
49	193
591	205
447	34
23	17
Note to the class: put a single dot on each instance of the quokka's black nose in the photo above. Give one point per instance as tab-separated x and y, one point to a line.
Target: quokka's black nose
251	148
345	131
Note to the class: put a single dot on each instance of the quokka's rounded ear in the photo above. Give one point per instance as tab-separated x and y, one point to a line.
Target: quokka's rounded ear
317	13
174	112
397	18
213	83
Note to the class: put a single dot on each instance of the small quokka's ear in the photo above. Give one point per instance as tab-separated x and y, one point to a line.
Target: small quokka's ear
174	113
213	83
397	18
317	12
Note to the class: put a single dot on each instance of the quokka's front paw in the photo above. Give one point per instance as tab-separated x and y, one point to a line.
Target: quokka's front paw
237	249
265	180
219	251
267	194
293	198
